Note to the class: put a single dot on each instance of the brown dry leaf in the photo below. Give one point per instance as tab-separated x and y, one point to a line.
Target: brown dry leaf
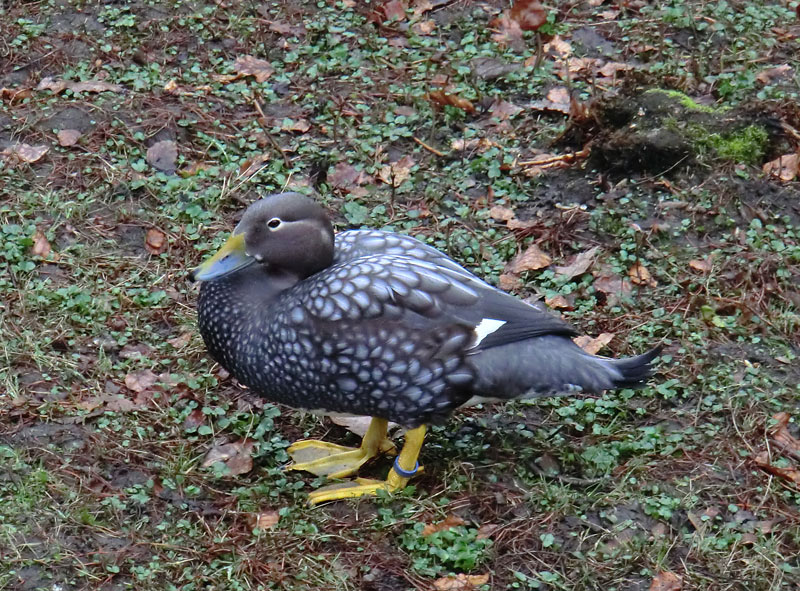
770	75
479	145
237	456
781	435
501	214
610	69
68	137
41	247
301	125
785	167
558	47
593	345
162	155
579	265
265	520
356	424
558	99
666	581
558	302
252	165
640	275
15	95
139	381
247	65
440	97
420	7
460	582
194	419
449	522
398	172
25	152
529	14
703	266
155	241
504	110
392	10
614	287
424	27
192	169
297	30
346	176
116	403
93	86
50	83
135	351
531	259
508	31
487	531
509	282
790	474
181	340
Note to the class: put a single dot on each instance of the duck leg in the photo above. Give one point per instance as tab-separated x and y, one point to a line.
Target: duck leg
337	461
405	467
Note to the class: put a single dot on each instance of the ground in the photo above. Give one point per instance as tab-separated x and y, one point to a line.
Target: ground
620	148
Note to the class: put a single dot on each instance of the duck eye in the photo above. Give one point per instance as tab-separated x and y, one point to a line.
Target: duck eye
274	223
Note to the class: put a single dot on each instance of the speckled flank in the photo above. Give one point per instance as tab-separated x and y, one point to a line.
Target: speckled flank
394	329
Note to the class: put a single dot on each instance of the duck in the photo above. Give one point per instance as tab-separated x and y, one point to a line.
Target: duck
378	324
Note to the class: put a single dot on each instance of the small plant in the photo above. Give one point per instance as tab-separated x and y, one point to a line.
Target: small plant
456	548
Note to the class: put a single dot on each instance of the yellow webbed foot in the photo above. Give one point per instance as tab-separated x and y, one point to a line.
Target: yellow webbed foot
337	461
331	460
404	468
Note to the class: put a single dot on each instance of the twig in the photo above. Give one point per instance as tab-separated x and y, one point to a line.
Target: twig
269	136
429	148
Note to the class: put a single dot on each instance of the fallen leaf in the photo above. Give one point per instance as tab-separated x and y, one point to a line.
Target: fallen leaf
394	10
490	68
397	173
181	340
558	47
194	419
487	530
237	456
346	176
666	581
155	241
441	98
529	14
248	65
785	167
301	125
449	522
501	214
579	265
781	435
41	247
135	351
557	99
420	7
703	266
15	95
265	520
25	152
614	287
357	424
460	582
504	110
593	345
509	282
139	381
68	137
252	165
424	27
770	75
531	259
640	275
558	302
162	155
57	86
295	30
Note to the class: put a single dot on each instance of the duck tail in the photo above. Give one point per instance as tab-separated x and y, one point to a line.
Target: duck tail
634	371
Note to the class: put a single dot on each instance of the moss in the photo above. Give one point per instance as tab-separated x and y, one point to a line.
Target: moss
746	145
685	101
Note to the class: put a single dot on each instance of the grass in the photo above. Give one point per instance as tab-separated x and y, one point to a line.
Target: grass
102	482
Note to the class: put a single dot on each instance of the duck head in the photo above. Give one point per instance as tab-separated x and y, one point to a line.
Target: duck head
286	232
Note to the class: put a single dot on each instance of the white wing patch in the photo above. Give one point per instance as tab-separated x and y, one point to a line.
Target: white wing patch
486	327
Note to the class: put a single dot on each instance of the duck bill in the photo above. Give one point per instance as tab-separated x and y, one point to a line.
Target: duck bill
231	257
